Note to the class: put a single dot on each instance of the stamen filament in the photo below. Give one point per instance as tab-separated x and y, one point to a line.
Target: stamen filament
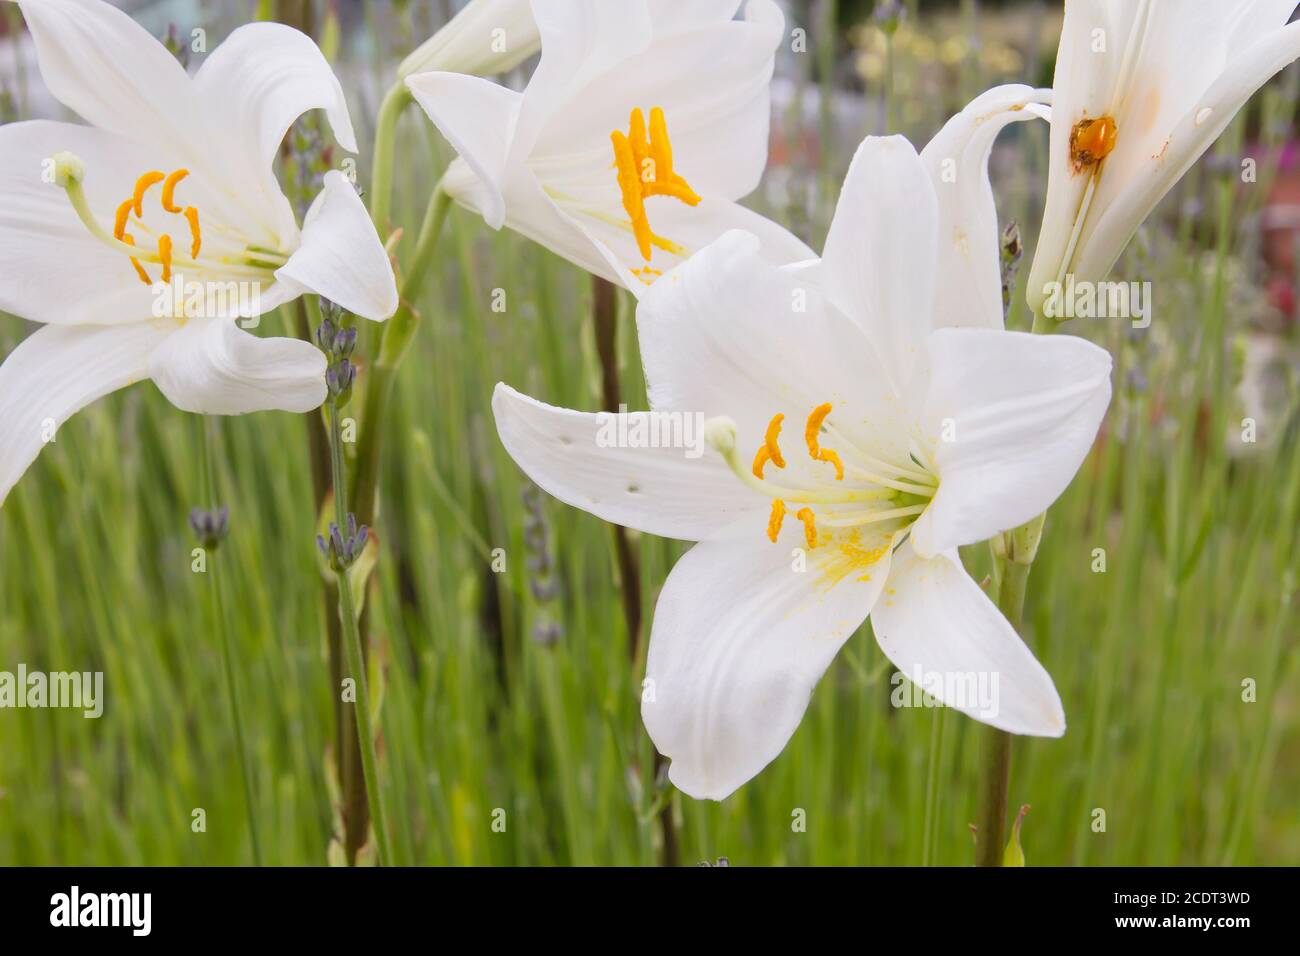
769	490
897	471
924	491
853	519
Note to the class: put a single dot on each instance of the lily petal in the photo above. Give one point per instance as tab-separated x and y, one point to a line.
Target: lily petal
1022	412
1157	172
730	334
878	266
341	256
57	371
478	118
109	70
578	457
252	88
739	641
969	291
213	367
934	622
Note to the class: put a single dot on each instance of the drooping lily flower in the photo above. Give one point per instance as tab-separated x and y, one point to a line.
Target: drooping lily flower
1142	89
856	437
139	239
485	38
643	123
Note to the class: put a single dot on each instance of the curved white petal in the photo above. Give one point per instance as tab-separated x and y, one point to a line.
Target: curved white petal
583	459
936	624
740	639
712	82
1010	418
478	118
485	37
54	373
730	334
101	64
581	39
213	367
1125	202
252	88
878	266
969	290
690	229
341	256
53	269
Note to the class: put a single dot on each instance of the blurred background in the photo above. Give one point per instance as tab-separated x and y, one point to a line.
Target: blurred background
511	698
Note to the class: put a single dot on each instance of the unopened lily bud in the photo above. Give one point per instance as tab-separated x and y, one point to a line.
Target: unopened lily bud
487	37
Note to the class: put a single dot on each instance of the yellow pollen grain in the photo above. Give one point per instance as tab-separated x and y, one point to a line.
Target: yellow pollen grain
165	254
142	186
776	519
169	188
196	237
139	269
809	526
770	440
119	221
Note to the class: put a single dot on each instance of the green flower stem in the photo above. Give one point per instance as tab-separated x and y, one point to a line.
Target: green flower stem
990	836
395	340
220	620
352	646
381	164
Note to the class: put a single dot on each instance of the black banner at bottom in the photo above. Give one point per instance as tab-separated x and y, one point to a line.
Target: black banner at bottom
212	906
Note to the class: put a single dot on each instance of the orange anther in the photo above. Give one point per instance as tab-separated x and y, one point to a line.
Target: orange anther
775	519
645	168
770	440
1091	141
810	434
139	269
169	188
119	221
165	254
142	186
809	526
196	237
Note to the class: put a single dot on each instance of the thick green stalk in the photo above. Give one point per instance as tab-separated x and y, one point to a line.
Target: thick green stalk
382	161
352	645
396	339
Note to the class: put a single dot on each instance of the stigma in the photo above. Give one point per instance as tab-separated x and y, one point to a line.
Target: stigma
644	167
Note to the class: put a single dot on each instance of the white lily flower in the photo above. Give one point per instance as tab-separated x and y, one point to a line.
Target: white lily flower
171	183
917	436
486	37
1142	89
643	123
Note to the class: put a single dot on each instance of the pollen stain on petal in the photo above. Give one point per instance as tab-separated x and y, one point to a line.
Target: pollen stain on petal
1091	141
849	556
